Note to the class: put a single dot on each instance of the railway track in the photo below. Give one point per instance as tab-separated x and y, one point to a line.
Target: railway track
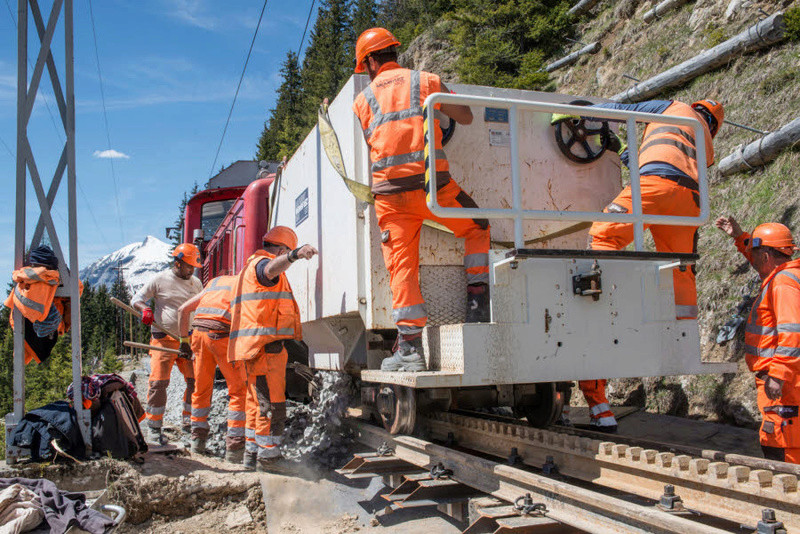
588	484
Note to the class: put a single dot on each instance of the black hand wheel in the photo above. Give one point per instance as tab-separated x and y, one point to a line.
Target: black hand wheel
582	140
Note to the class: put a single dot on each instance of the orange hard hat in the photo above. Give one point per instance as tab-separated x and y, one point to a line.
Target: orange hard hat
774	235
189	253
370	41
714	111
281	235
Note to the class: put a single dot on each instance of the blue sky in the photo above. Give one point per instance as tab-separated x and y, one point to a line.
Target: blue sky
170	70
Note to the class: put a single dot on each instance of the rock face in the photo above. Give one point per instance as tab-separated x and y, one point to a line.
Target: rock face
432	52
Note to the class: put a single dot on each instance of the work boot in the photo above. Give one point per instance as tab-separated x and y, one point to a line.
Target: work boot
198	445
156	437
235	456
276	464
408	355
598	427
478	303
249	460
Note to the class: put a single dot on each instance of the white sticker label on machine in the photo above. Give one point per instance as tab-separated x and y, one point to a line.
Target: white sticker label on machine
499	137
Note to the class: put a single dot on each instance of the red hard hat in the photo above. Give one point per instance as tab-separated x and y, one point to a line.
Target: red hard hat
370	41
188	253
281	235
774	235
716	111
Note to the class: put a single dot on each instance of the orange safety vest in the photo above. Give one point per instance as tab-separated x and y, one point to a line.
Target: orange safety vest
772	347
390	111
34	292
260	314
215	302
675	145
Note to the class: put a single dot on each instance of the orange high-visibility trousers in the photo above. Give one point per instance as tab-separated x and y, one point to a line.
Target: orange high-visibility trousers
659	197
160	368
400	217
211	351
594	391
266	403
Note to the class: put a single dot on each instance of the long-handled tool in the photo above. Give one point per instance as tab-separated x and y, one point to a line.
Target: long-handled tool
145	346
133	311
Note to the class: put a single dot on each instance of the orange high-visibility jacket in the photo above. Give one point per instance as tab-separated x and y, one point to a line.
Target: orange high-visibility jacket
390	111
34	292
215	302
260	314
675	145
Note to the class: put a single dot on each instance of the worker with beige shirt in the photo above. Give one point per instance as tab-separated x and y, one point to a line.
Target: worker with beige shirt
168	290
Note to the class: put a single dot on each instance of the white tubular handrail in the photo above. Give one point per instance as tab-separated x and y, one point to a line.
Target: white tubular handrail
518	214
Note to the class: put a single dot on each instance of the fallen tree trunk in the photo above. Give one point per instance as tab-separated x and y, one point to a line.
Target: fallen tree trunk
591	48
661	8
759	153
582	6
766	33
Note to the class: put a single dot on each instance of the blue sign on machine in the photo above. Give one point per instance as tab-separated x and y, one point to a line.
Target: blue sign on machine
495	115
301	207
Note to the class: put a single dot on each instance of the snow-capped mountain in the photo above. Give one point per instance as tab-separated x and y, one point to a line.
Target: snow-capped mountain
140	261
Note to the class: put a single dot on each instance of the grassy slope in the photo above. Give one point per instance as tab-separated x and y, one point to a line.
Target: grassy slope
761	90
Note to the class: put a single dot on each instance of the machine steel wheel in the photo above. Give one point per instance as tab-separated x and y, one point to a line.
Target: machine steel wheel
398	408
544	408
582	140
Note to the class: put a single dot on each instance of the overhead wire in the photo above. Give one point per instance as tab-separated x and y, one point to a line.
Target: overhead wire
303	38
105	120
236	94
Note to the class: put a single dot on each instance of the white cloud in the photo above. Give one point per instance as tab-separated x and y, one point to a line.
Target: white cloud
110	154
192	12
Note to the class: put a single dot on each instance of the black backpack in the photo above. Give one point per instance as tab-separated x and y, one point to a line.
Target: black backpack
115	429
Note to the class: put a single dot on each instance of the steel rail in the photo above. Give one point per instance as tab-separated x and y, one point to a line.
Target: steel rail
732	492
566	503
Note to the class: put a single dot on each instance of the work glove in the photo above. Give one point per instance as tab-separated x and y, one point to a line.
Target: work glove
617	144
560	117
728	331
147	316
185	351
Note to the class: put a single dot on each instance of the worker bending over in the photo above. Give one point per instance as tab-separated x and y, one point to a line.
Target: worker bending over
668	177
390	113
263	315
168	290
772	334
209	341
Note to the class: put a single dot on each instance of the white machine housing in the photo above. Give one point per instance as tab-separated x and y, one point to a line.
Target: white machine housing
344	295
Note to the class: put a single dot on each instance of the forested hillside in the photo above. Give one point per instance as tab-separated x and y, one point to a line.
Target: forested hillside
506	43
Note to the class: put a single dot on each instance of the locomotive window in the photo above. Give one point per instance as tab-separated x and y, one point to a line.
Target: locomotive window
212	215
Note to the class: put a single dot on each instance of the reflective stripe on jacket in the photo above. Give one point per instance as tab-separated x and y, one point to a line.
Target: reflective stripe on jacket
34	291
390	111
675	145
260	314
215	302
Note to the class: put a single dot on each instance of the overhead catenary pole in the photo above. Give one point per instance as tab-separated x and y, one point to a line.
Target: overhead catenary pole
761	35
27	168
760	152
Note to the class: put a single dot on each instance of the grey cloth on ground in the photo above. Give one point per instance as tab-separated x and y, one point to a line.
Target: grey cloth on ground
20	510
62	509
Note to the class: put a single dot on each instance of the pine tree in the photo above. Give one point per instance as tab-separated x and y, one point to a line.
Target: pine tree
365	16
329	58
282	132
177	235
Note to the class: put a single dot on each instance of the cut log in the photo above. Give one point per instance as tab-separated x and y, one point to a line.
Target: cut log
582	7
661	8
759	153
591	48
766	33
